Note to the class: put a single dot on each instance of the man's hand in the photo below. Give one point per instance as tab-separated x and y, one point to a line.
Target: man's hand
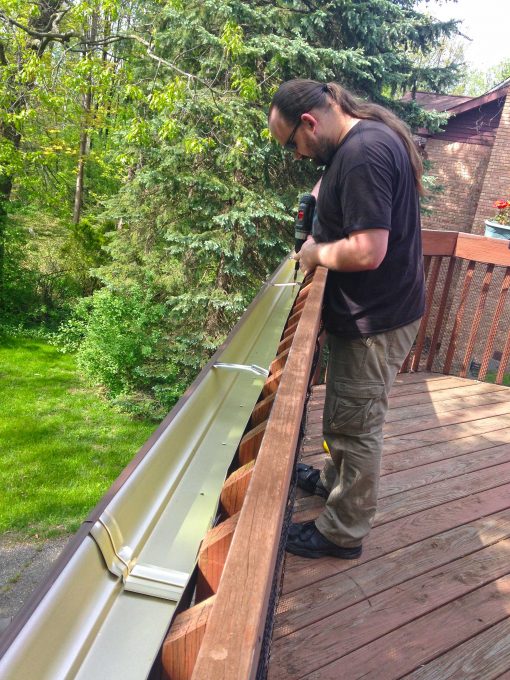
307	256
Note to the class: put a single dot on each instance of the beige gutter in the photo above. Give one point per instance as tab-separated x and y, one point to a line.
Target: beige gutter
96	621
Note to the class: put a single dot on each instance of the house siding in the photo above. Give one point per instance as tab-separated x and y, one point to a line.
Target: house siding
460	169
476	126
496	183
471	159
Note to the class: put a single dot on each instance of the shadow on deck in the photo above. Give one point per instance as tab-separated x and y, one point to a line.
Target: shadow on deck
429	598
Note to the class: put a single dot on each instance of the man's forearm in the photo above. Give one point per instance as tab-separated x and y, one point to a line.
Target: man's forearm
361	251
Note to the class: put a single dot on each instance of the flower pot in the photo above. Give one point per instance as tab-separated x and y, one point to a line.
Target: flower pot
496	230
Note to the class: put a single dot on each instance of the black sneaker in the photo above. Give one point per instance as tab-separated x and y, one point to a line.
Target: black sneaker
308	479
307	541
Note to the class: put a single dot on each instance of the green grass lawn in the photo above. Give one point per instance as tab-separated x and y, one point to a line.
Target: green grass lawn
61	446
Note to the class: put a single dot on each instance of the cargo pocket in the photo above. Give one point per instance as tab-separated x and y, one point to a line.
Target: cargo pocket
355	407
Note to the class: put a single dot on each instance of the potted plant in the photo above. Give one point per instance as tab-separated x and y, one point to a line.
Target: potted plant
499	225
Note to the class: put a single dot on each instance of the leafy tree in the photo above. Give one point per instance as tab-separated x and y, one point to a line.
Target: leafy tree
63	68
475	82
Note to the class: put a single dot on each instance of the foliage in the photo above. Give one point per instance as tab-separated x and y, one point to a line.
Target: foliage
47	266
475	82
185	204
62	447
118	338
431	186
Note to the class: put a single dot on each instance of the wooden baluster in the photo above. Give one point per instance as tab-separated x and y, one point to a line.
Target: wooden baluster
211	557
181	646
431	286
294	318
440	313
262	410
476	319
271	384
235	488
504	361
494	326
318	369
459	317
298	307
427	259
278	364
405	366
250	443
285	344
290	330
303	293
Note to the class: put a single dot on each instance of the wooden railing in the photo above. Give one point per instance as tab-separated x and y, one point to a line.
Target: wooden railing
468	278
221	635
462	332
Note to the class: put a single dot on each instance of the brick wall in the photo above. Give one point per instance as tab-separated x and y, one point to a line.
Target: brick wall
473	176
497	177
460	169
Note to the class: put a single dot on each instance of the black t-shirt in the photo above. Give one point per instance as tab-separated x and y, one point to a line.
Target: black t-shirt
370	185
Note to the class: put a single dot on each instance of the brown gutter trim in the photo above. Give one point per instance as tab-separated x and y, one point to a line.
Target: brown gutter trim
478	101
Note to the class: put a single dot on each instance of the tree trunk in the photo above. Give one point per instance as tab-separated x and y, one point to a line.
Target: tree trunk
85	135
82	157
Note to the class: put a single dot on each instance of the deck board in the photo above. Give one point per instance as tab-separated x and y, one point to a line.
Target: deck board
430	596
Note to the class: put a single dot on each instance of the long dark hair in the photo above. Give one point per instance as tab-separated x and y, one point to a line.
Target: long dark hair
296	97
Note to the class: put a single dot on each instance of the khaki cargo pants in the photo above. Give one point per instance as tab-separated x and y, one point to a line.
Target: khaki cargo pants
360	374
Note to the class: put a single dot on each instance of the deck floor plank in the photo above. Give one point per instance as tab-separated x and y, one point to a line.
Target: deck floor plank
404	650
485	656
467	397
322	642
428	473
384	539
423	496
403	460
319	600
430	596
431	422
416	440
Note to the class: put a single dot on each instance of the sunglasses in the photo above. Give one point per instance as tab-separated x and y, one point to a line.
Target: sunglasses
290	144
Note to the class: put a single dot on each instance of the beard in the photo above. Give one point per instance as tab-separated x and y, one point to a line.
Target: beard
323	152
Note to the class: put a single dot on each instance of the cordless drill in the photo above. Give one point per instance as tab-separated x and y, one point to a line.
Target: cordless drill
303	223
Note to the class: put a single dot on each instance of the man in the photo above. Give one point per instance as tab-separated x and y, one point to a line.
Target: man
367	234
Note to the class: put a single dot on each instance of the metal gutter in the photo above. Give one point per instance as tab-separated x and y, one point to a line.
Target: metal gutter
108	603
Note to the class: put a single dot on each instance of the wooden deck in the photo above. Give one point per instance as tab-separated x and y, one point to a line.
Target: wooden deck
430	596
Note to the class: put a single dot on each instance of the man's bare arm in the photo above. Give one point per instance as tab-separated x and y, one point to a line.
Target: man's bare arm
360	251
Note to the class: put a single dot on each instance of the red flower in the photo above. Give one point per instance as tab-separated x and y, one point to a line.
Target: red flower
501	205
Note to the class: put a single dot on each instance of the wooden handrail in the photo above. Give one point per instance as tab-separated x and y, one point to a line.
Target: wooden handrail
466	246
233	637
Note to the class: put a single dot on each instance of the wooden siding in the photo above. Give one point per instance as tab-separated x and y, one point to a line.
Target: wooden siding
475	126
